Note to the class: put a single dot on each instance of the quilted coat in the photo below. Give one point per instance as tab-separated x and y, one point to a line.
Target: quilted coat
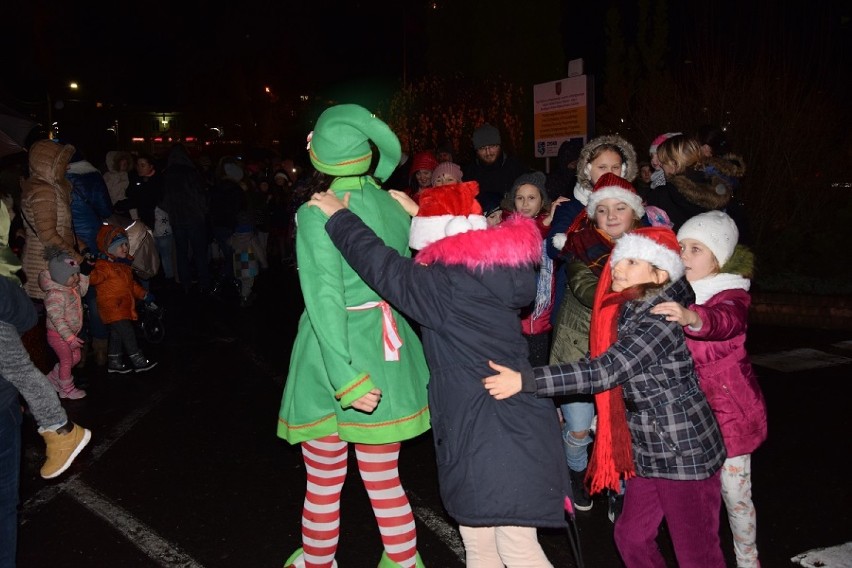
725	372
63	304
499	462
46	207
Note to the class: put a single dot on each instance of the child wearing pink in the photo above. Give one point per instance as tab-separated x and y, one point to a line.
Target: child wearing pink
64	286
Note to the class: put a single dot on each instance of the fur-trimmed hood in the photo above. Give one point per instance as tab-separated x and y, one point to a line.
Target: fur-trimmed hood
513	243
584	184
711	183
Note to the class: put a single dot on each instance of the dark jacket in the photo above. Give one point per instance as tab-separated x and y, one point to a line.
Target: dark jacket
499	462
90	202
185	198
143	194
497	177
673	430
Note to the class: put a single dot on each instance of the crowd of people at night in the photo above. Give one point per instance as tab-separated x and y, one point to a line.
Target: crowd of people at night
576	335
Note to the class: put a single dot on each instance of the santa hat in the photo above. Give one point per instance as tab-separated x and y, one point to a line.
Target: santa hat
659	140
716	230
611	186
445	211
339	145
423	161
657	245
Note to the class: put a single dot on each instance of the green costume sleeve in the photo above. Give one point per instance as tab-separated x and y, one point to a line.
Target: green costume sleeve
321	268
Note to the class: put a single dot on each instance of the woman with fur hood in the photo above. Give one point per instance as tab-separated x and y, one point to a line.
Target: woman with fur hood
694	184
46	209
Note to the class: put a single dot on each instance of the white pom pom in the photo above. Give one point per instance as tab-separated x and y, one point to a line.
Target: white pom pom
457	225
559	240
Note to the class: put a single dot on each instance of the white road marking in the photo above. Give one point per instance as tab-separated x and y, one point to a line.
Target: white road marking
839	556
797	360
135	531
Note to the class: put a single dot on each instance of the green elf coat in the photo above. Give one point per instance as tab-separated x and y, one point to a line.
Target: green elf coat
339	353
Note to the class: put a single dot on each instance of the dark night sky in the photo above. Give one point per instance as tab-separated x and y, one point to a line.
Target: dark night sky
166	52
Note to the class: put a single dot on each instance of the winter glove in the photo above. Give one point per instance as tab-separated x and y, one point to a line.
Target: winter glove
86	266
74	341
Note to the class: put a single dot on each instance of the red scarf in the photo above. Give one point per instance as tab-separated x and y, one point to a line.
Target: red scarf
612	455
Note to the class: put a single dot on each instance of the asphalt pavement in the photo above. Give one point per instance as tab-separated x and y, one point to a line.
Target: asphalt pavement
185	469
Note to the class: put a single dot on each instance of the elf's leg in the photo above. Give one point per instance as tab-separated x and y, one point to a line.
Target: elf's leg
325	464
379	471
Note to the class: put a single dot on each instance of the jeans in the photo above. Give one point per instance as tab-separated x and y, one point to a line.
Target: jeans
165	244
122	334
191	249
578	417
10	467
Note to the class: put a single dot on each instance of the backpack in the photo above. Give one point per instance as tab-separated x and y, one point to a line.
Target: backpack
143	247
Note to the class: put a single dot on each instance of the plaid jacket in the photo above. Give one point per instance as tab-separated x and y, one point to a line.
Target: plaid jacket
673	429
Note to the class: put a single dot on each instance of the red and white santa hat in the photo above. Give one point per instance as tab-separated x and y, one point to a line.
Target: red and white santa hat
445	211
609	186
657	245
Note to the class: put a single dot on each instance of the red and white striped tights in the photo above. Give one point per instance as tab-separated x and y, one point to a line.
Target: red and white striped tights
326	466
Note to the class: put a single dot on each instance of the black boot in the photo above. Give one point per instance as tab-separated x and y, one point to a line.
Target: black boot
140	363
116	365
582	499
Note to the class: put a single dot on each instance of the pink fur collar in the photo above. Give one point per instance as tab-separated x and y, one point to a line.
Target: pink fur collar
513	243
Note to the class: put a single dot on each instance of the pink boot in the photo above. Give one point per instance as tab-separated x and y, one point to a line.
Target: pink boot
69	391
53	377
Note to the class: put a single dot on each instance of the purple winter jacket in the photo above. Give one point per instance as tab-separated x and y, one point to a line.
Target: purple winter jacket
725	372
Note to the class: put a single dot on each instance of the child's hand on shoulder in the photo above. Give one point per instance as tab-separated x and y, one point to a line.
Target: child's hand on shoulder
677	313
405	200
328	202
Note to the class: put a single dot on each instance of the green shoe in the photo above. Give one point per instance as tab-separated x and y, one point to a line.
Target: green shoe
386	562
297	560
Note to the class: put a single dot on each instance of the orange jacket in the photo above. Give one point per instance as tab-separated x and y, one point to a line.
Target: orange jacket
117	290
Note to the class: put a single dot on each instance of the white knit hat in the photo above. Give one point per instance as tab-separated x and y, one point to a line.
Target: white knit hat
657	245
612	186
716	230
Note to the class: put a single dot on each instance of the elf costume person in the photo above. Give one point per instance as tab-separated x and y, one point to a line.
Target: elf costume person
357	372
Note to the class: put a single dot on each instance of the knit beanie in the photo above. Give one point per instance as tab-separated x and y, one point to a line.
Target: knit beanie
447	168
445	211
60	265
611	186
716	230
486	135
659	140
657	245
339	144
423	161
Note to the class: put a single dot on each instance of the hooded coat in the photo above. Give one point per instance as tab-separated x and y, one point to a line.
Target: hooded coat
46	207
90	202
630	167
63	304
708	186
499	462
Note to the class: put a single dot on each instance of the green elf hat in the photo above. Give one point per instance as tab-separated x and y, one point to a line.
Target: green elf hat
340	142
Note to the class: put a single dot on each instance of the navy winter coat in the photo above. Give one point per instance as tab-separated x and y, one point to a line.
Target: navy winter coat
500	462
